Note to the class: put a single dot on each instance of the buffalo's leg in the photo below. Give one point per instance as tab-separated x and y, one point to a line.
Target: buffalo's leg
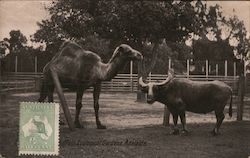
183	122
166	116
79	95
96	94
175	119
219	119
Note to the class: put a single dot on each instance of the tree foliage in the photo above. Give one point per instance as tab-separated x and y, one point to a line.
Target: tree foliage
226	35
100	25
140	24
3	47
16	42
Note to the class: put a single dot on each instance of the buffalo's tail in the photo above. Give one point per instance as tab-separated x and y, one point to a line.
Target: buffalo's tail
230	112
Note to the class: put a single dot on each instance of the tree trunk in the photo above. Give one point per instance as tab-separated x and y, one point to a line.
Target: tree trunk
141	97
143	71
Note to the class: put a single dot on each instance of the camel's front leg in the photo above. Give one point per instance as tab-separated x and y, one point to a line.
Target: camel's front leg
96	94
79	95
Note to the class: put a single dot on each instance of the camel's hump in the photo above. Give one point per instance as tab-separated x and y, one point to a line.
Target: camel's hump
73	50
70	44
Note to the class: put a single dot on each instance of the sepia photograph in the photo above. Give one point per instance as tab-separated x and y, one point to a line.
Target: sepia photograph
125	78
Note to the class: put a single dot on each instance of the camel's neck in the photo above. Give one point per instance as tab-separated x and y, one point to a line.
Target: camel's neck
112	67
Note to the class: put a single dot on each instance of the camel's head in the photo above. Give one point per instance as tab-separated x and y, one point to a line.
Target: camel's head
127	52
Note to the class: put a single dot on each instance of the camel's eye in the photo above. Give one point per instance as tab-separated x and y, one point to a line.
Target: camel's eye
121	49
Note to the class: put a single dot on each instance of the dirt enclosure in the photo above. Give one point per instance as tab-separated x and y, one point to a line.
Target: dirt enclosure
133	130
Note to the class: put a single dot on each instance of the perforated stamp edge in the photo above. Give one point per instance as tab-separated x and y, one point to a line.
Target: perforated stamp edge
57	132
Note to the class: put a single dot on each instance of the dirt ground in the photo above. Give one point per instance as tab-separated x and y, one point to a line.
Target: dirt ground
133	130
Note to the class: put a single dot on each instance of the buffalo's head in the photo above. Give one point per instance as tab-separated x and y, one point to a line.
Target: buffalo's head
152	89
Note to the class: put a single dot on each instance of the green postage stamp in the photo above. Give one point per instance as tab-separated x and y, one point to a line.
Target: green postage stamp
39	128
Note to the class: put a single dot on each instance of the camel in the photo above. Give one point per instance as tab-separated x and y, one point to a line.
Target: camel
79	69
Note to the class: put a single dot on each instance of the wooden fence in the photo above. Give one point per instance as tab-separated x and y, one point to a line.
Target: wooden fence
16	86
207	67
28	82
120	83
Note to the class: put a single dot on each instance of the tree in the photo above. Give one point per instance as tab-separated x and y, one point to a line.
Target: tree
140	23
137	23
15	44
144	25
238	32
219	38
17	41
225	35
3	47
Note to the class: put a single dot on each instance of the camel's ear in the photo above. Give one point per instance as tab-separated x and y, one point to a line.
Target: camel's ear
120	49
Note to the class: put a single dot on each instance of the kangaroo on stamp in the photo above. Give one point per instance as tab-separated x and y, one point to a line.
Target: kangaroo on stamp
39	128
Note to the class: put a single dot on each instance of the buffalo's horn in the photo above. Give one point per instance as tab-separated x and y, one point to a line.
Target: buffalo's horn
142	83
170	76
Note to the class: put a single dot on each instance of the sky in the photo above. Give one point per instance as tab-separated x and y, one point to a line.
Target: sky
24	14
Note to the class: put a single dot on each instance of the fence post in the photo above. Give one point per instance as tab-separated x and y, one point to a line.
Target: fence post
206	68
188	68
1	69
149	76
15	63
169	63
131	76
141	97
235	70
37	83
245	68
241	93
36	64
217	69
225	68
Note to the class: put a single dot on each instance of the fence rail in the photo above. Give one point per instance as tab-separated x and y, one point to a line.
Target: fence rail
10	86
120	83
190	66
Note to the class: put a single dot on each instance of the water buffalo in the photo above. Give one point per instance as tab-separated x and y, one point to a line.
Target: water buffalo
181	95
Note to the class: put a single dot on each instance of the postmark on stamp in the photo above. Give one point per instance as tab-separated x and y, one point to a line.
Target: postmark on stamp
39	128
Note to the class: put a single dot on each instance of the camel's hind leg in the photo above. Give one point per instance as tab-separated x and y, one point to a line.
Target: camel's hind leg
50	92
43	91
46	89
